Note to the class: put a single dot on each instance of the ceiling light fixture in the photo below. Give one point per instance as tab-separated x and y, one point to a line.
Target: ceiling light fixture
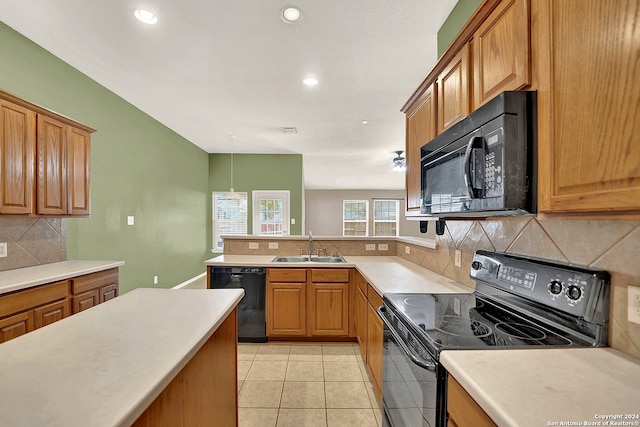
291	14
399	164
364	122
145	16
310	81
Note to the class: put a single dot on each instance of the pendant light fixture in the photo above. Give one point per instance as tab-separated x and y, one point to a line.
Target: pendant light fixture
232	192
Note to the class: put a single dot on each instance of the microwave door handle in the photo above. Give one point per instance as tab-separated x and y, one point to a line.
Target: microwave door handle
473	142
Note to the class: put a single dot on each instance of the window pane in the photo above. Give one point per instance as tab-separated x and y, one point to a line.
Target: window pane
230	216
355	228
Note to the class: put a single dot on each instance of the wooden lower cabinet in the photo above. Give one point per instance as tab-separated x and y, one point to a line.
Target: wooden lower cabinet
50	313
286	309
375	336
16	325
92	289
328	313
205	391
463	411
361	304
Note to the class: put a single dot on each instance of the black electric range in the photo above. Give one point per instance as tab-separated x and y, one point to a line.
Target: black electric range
519	302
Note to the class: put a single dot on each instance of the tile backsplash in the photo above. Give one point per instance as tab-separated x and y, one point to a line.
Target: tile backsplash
609	245
343	246
32	241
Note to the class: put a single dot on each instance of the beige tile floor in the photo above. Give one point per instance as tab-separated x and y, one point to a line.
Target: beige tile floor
283	384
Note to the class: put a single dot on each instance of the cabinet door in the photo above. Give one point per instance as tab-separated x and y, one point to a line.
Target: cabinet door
462	409
16	325
588	115
420	128
328	311
286	309
85	301
453	90
17	158
374	346
501	51
79	156
361	320
108	292
52	166
50	313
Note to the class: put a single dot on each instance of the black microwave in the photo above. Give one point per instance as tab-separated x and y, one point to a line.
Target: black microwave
484	165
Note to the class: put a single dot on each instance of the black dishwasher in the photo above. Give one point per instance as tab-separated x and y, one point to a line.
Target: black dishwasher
252	322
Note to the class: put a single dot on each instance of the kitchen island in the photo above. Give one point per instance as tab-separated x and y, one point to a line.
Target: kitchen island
151	357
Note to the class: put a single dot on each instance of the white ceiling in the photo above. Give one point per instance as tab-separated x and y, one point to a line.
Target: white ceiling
210	69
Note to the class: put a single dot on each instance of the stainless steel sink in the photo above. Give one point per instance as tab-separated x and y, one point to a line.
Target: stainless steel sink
283	258
337	258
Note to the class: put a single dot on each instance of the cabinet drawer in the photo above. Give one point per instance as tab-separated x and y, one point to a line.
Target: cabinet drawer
50	313
330	275
287	274
34	297
94	281
85	301
16	325
374	299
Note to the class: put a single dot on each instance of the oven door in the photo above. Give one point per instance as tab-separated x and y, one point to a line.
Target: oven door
409	379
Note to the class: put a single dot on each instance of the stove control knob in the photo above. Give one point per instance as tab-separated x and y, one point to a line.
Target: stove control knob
574	293
555	287
476	265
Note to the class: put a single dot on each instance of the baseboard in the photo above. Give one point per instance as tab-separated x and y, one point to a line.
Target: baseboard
198	282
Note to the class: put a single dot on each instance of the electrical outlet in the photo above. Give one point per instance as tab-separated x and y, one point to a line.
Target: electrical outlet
407	250
273	245
3	250
155	280
370	247
254	245
458	258
633	295
131	220
383	247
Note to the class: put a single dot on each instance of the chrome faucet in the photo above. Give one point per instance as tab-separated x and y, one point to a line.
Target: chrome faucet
310	240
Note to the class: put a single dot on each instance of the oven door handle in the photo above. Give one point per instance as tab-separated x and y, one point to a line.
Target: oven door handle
474	192
415	359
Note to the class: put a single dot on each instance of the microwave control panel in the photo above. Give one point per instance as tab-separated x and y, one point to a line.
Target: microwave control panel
494	164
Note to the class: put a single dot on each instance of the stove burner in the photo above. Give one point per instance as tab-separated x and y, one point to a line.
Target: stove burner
460	326
521	331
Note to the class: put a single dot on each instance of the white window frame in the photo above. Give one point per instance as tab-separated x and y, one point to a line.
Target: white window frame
241	225
397	220
257	196
366	220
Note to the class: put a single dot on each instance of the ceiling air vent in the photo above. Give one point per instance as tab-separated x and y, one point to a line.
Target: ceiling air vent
289	130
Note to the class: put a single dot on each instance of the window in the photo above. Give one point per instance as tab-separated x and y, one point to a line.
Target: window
270	212
385	217
229	216
355	218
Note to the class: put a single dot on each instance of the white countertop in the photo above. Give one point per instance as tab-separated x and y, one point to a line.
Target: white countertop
23	278
534	388
386	274
106	365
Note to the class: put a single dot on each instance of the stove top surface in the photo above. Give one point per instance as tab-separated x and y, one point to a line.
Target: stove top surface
470	321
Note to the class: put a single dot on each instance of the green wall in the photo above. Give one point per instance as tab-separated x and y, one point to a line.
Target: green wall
259	172
138	167
459	16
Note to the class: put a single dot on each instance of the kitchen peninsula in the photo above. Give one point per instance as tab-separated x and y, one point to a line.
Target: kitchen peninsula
151	357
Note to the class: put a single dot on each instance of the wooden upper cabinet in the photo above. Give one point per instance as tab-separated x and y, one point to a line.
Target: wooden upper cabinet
17	158
79	160
420	129
44	161
501	51
453	85
52	182
588	115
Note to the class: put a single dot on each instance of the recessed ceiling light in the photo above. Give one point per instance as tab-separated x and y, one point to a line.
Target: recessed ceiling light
145	16
364	122
291	14
310	81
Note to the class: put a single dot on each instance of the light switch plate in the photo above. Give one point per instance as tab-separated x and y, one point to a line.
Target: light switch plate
633	295
407	250
370	247
254	245
3	250
383	247
155	280
131	220
293	221
273	245
458	258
